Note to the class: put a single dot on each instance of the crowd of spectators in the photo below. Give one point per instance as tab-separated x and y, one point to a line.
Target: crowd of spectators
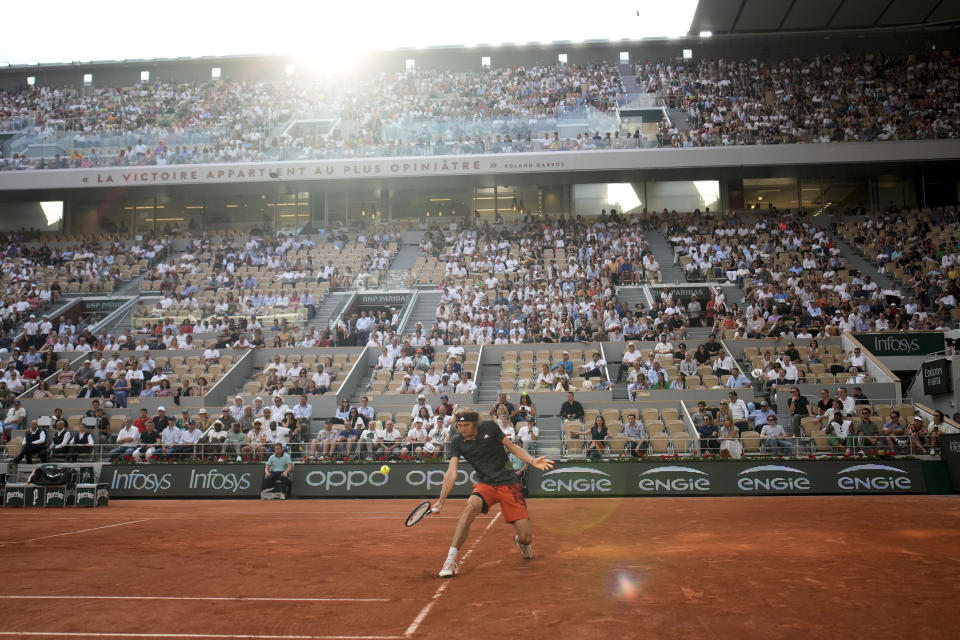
160	123
920	250
829	98
550	280
796	281
499	110
283	278
34	275
221	120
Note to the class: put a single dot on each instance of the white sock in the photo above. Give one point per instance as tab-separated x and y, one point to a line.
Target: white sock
452	554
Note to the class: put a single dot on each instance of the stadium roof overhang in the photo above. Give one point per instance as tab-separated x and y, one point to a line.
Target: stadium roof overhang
742	17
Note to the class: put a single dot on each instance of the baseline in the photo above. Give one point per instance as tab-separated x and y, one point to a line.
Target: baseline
412	629
190	598
68	533
81	634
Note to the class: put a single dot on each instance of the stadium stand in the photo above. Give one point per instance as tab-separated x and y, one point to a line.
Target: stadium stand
808	100
529	302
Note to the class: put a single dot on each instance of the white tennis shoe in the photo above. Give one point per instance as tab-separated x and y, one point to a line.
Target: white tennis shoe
526	550
449	569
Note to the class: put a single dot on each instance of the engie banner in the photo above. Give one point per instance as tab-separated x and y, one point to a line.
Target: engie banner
762	477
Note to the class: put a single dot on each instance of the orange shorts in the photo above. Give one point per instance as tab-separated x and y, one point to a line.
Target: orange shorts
510	496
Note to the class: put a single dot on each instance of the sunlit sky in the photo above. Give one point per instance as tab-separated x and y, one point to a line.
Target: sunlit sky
75	31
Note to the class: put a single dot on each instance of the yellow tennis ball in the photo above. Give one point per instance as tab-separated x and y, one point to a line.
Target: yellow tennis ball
385	469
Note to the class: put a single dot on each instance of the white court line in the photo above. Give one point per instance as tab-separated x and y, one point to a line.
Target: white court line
261	516
218	598
76	634
412	629
68	533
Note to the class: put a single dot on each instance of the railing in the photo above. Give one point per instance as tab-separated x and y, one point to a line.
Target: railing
660	445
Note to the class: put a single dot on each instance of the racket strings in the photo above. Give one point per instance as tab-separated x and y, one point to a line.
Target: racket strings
417	514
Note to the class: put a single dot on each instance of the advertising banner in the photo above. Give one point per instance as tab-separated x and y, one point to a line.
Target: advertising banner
182	480
101	305
382	299
13	495
92	495
683	293
761	477
902	344
366	481
566	479
936	377
950	453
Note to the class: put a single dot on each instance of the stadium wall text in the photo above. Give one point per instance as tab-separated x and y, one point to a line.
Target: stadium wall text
484	164
671	478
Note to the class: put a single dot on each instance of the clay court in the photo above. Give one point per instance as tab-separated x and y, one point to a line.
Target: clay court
877	566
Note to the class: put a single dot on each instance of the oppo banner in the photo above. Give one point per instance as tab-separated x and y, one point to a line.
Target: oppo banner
366	481
768	477
182	480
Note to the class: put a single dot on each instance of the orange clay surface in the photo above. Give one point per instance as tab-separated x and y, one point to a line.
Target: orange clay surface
793	567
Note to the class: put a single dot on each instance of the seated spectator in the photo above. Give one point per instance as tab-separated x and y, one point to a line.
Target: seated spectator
709	434
256	440
128	439
599	439
277	470
417	437
35	443
15	419
867	431
61	444
837	430
170	439
774	436
325	441
919	437
638	440
546	379
730	439
389	443
758	417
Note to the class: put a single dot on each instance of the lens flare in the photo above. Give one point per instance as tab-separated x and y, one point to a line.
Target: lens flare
627	588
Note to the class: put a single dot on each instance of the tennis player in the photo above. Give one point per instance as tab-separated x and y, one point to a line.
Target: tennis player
485	447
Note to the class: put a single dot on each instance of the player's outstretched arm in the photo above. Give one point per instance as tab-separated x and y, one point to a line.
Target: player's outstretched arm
449	480
543	463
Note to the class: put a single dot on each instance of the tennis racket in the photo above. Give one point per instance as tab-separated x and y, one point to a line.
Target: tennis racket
419	512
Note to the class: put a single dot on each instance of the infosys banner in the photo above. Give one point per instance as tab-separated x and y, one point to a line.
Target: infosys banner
768	477
902	344
366	481
182	480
